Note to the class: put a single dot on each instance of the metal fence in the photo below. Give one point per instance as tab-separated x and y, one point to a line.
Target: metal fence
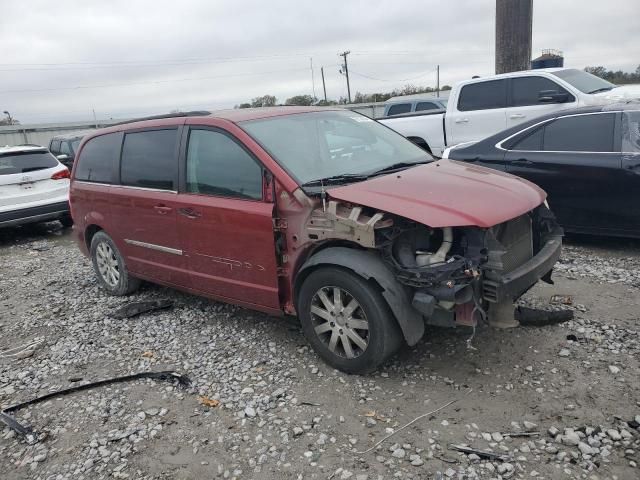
40	134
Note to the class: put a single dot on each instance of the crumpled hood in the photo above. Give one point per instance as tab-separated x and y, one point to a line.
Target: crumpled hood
618	94
446	193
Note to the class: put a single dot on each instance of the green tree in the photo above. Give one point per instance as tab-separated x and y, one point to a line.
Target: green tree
264	101
302	100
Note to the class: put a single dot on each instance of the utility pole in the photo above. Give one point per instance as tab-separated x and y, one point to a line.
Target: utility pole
324	88
513	35
346	72
313	82
438	81
94	117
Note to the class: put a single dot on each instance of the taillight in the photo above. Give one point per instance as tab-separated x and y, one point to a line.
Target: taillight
61	174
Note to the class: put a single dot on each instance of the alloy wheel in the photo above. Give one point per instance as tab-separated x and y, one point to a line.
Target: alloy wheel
107	264
340	322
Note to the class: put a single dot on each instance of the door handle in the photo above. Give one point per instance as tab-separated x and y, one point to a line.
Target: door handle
462	120
517	115
162	209
189	213
521	161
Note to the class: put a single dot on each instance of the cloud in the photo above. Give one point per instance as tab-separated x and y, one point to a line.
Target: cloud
127	58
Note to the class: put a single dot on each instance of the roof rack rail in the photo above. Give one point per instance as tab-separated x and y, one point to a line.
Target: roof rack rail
194	113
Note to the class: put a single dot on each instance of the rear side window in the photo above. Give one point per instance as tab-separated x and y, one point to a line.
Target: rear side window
631	132
531	142
582	133
483	96
55	146
149	159
399	108
26	162
96	161
526	90
420	106
64	148
217	165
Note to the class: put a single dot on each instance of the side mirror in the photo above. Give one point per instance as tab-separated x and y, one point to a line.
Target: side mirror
552	96
62	156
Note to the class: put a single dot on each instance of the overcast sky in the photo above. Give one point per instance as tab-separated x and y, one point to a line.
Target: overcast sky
125	58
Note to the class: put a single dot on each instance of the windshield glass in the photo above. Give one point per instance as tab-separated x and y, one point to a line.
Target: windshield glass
583	81
317	145
13	163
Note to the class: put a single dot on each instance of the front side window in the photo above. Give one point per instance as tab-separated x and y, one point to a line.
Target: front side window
318	145
399	108
149	159
64	148
75	144
580	133
217	165
483	96
631	132
25	162
526	90
96	162
55	146
420	106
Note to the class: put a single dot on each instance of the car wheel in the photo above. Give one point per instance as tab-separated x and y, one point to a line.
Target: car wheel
346	320
109	266
66	221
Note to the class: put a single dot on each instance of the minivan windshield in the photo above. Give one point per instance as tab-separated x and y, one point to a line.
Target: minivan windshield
336	146
584	81
23	162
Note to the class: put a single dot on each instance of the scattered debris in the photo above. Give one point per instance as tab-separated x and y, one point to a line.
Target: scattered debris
148	354
208	402
167	375
561	300
480	453
520	434
23	351
133	309
310	404
533	317
17	427
428	414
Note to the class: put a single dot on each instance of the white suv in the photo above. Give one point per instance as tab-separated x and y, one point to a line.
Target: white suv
34	186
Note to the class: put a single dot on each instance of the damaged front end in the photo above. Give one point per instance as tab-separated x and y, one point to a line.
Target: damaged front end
460	274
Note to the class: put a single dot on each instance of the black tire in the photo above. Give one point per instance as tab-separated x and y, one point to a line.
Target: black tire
66	221
102	246
382	335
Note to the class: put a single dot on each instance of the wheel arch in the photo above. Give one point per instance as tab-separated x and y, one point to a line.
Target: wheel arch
369	266
89	233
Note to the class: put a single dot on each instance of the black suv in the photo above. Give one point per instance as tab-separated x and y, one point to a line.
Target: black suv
64	147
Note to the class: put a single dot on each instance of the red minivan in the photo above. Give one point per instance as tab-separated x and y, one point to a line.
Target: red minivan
320	213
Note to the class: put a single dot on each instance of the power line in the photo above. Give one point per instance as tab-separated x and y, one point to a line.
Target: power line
155	82
393	80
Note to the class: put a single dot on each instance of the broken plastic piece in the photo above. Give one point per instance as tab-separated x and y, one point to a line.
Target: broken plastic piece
480	453
532	317
134	309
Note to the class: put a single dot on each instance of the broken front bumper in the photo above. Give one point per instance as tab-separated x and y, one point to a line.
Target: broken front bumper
510	286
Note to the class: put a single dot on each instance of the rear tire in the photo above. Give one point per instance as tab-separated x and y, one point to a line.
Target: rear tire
109	266
346	320
66	221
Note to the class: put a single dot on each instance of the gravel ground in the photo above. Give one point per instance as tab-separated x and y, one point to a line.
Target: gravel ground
262	405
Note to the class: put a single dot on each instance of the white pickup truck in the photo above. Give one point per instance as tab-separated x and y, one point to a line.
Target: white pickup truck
481	107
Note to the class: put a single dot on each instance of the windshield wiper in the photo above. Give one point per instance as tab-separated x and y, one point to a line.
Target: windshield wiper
398	166
336	180
603	89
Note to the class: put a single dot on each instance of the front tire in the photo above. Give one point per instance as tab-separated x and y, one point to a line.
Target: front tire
109	266
346	320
